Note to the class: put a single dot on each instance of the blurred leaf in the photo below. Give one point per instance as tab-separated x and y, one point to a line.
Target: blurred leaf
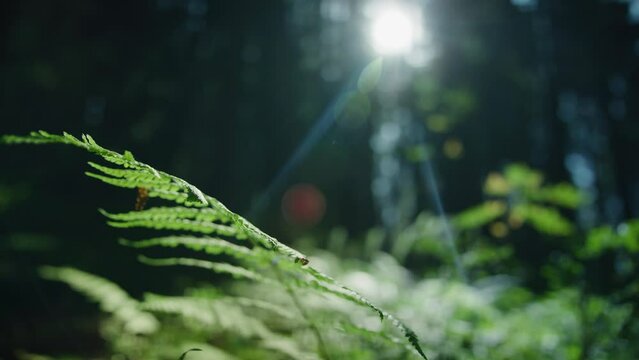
480	215
482	255
563	194
625	237
424	235
606	322
522	177
544	219
561	270
111	297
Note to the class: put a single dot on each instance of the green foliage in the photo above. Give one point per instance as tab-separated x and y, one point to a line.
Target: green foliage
624	237
443	106
544	219
112	298
520	194
493	318
479	215
270	301
261	259
564	195
425	234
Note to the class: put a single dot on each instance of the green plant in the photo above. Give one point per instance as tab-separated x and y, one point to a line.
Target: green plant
233	247
520	194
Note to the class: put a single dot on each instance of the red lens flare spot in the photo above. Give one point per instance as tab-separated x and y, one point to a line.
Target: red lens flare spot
303	204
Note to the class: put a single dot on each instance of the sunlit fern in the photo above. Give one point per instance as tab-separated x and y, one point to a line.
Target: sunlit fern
247	252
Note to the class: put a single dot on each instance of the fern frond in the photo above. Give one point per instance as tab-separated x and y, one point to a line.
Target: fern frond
213	314
186	225
354	297
175	189
172	213
320	282
125	160
224	315
198	310
263	305
132	183
112	298
208	245
236	272
200	214
258	236
134	175
376	336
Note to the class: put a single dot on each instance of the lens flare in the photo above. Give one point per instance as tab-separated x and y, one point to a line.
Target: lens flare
393	31
303	205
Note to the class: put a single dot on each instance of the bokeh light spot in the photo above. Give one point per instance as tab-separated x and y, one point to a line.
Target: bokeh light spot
453	148
438	123
498	229
303	205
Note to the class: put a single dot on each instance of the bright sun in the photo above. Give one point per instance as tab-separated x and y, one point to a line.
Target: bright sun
393	31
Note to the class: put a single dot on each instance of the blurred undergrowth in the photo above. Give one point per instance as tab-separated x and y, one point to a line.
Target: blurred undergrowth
280	304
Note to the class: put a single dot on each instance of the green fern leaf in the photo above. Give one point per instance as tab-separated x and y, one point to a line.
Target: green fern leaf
172	213
211	246
236	272
203	227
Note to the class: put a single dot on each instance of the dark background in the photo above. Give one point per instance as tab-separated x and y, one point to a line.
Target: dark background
222	92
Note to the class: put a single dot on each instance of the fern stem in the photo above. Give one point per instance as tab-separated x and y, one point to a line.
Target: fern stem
321	346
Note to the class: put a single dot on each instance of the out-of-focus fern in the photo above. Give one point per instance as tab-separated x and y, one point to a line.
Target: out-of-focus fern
248	253
112	298
225	315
